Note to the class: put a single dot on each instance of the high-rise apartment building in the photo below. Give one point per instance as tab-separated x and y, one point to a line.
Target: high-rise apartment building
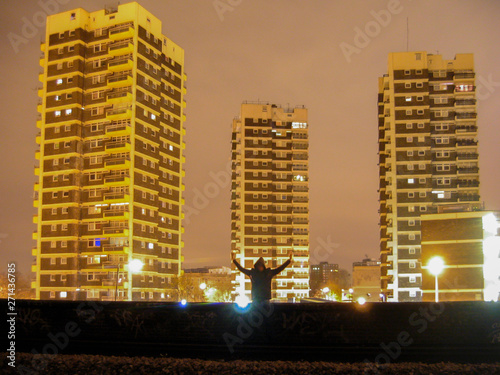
270	195
110	174
428	156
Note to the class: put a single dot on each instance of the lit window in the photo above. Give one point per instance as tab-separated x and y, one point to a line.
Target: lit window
57	113
411	180
408	99
59	81
68	111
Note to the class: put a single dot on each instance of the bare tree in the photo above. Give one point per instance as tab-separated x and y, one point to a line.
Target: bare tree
22	289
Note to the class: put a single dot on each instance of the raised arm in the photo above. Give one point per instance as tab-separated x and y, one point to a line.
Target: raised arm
238	266
277	270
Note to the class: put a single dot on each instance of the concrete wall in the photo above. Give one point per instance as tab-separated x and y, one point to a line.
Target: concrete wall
375	332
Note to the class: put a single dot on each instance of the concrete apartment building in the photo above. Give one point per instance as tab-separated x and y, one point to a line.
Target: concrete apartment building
270	195
110	173
428	157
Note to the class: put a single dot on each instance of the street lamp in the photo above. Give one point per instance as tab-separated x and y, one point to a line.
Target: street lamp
435	267
135	265
203	286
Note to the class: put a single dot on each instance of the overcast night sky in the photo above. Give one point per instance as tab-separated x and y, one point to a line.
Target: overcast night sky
283	52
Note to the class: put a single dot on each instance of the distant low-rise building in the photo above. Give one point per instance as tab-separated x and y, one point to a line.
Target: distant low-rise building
323	275
366	280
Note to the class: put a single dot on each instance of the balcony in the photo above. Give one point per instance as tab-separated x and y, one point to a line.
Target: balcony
464	75
116	231
118	146
109	282
121	48
118	97
467	156
120	63
117	180
465	143
118	128
116	214
119	113
466	129
121	32
115	248
118	163
465	102
116	197
465	115
120	80
468	170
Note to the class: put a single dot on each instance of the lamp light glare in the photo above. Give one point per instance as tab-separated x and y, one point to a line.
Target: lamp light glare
242	301
435	265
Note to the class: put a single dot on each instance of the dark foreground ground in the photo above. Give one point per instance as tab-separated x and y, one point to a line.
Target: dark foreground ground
95	364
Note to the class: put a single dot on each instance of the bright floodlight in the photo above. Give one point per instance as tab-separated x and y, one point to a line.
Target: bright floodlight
203	286
242	301
490	223
436	265
183	302
351	291
361	300
135	265
325	289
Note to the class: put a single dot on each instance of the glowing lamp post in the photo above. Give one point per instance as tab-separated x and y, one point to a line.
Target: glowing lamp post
435	267
135	265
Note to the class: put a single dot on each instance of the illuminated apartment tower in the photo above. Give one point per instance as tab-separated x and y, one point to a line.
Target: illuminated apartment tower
428	157
110	174
270	195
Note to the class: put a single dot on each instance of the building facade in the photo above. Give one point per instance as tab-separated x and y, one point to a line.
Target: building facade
270	196
428	157
110	173
323	275
366	280
468	242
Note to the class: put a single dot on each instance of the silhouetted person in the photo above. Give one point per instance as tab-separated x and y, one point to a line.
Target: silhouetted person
261	277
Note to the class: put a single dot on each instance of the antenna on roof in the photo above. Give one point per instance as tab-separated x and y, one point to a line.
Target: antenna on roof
407	35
